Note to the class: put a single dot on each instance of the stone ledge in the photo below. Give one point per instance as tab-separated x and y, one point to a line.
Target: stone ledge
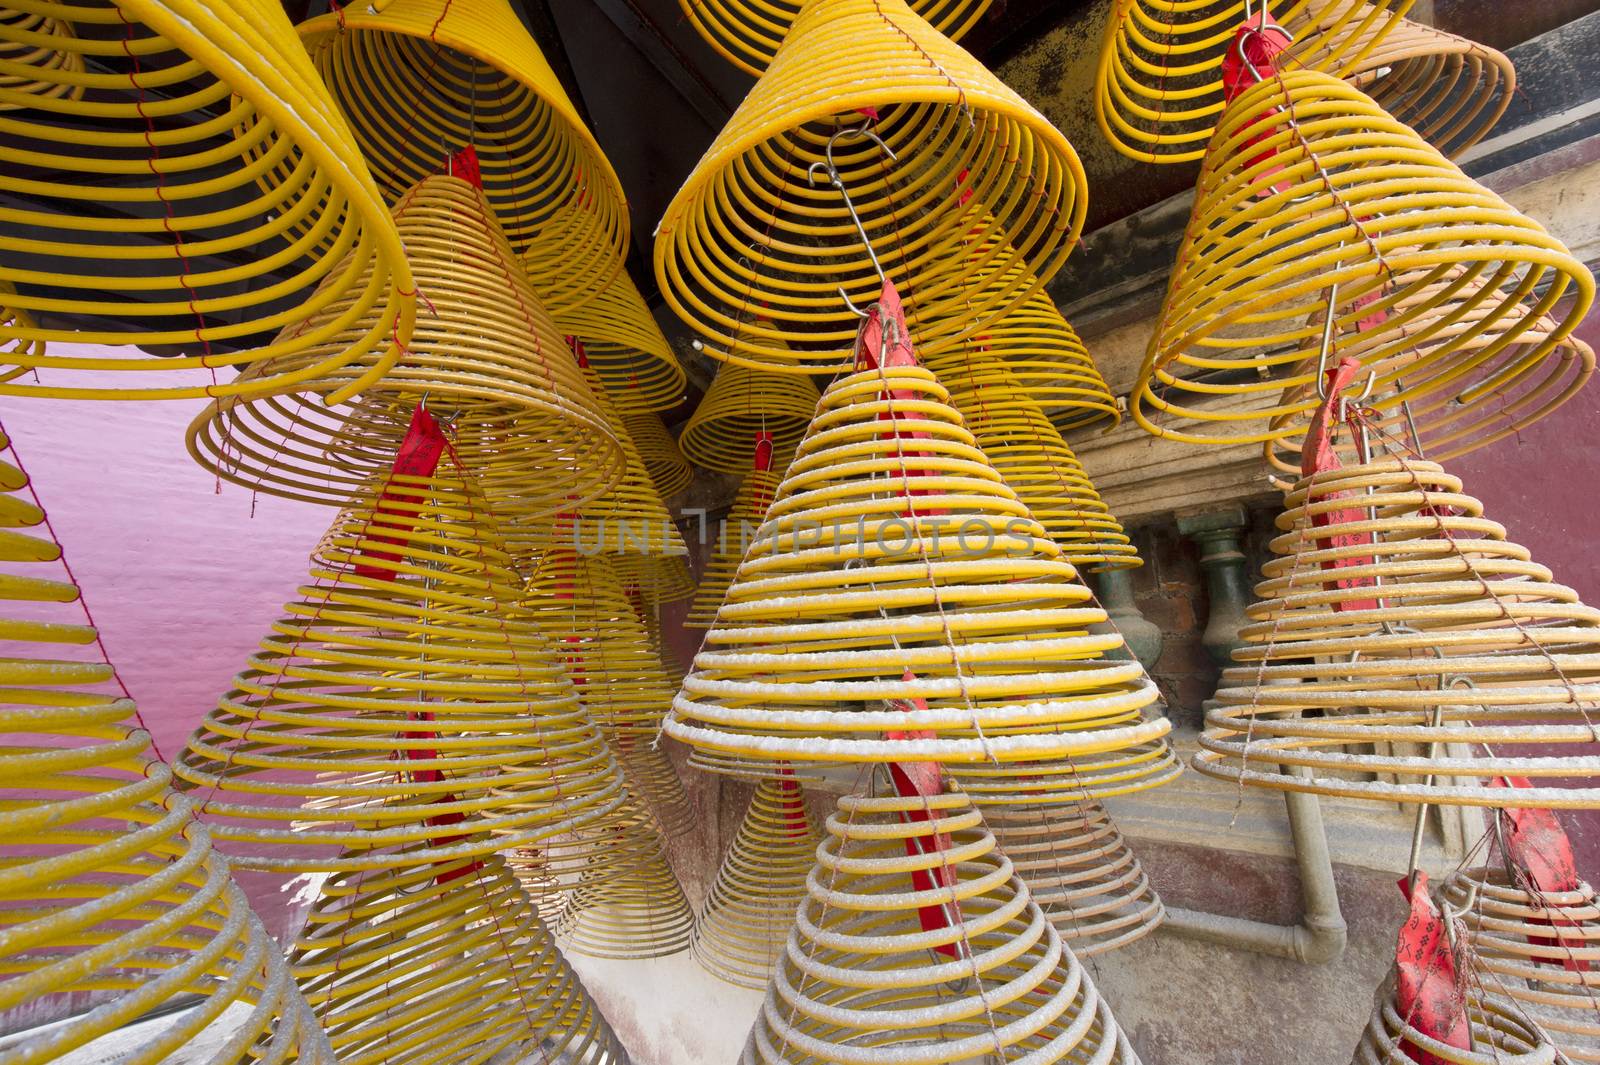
1196	810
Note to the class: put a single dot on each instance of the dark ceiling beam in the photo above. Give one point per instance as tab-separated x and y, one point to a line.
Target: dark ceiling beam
669	61
541	22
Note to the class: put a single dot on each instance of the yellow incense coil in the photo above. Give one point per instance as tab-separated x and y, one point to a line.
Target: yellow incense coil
31	39
588	856
486	357
1341	197
195	201
747	34
629	518
115	899
734	534
748	913
1423	686
982	185
399	702
420	79
576	602
25	348
898	584
1536	955
1447	88
1498	1036
641	913
654	580
1454	403
444	963
625	347
1071	780
742	404
1028	451
1080	871
862	980
652	777
669	470
1159	88
1032	352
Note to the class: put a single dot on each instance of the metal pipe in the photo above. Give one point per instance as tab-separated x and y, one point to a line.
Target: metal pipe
1320	936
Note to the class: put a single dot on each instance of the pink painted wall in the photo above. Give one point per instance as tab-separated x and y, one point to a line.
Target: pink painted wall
1543	485
181	579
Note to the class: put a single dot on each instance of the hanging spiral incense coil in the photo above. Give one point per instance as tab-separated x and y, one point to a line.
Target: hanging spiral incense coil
400	703
115	900
576	602
748	34
981	186
238	188
1398	616
1498	1038
851	595
655	579
652	580
863	978
1081	873
589	856
628	518
625	347
1419	257
1540	955
440	963
741	406
1029	453
10	371
1159	90
669	470
640	914
419	79
1455	405
748	913
734	532
486	357
653	778
48	45
1033	353
1447	88
128	907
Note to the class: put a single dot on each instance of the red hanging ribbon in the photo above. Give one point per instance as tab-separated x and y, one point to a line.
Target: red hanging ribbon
1258	43
1318	455
884	341
1428	991
792	803
464	165
433	776
924	780
1541	857
418	456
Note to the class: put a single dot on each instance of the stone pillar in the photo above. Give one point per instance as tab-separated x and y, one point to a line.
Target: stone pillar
1114	588
1218	535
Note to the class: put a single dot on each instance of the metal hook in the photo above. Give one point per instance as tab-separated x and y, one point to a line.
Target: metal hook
1260	28
826	164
